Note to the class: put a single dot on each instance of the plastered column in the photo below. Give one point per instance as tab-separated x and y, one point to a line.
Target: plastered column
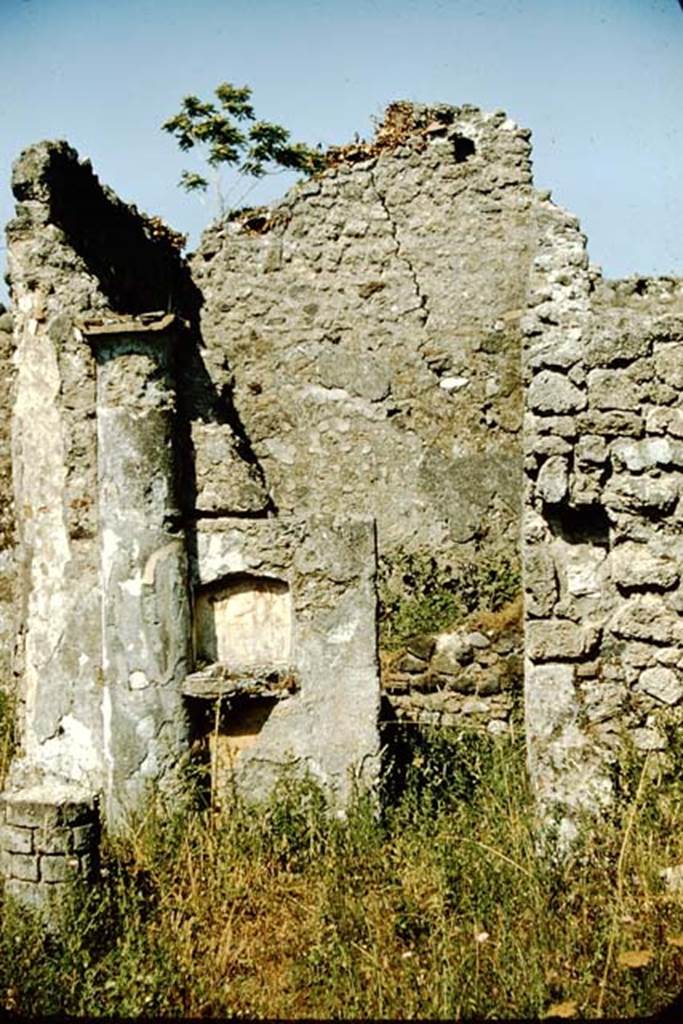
145	605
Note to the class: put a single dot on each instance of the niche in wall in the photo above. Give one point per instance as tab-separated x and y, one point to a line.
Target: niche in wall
244	621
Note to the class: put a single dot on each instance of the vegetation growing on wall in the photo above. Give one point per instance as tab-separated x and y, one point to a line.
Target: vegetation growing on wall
420	594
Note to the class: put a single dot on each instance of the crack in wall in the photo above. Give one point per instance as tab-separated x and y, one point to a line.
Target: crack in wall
437	363
401	253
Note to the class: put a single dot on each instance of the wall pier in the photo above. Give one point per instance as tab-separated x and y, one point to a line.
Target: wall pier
146	633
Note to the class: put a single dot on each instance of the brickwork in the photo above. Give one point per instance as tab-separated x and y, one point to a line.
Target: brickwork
46	844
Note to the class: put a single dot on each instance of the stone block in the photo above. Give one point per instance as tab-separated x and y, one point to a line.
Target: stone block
496	727
409	663
641	494
562	426
452	653
591	450
550	699
616	348
549	444
634	566
26	894
478	641
462	683
647	618
649	453
490	682
661	683
611	389
85	838
603	700
474	706
556	355
669	364
15	839
665	421
553	480
553	394
30	814
582	569
53	840
611	423
421	646
23	866
58	869
540	582
558	640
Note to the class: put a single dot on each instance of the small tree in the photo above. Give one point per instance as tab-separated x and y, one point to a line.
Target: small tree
231	135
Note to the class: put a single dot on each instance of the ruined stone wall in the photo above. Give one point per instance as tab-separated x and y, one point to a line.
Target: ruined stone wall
369	323
602	520
116	429
350	355
7	617
75	252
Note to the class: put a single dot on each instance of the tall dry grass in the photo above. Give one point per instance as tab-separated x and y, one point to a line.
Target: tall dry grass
440	907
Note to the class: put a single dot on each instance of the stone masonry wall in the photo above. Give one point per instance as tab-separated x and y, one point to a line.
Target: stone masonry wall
369	325
469	677
49	837
602	522
7	615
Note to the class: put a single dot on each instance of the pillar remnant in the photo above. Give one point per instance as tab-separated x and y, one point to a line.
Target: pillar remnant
146	632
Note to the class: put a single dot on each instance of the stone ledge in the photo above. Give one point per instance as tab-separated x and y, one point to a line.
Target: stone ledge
220	680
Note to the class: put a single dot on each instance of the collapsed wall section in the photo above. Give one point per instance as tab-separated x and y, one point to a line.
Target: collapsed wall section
603	521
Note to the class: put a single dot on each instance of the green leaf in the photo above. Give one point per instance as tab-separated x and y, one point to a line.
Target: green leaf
193	182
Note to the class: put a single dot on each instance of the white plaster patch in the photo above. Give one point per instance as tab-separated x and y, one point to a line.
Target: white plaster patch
107	739
109	545
72	754
582	563
146	728
132	586
453	383
245	623
138	680
219	554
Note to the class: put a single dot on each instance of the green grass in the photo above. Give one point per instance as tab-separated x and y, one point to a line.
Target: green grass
441	907
417	594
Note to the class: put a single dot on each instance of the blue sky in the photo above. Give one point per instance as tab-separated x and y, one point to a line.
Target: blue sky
599	82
